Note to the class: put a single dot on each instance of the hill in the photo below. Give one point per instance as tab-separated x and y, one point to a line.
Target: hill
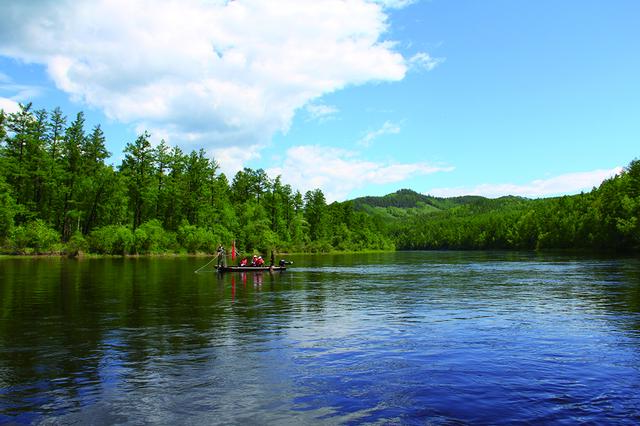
408	203
605	219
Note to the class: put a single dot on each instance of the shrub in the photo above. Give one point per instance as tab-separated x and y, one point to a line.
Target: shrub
150	237
195	239
320	246
76	244
111	239
35	235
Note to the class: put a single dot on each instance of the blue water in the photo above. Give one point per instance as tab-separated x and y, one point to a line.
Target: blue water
400	338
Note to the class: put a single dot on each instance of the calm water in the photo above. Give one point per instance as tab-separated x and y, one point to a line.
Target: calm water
411	338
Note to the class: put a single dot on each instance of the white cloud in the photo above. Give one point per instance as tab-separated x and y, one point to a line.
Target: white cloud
422	60
337	172
394	4
388	128
8	105
321	112
18	92
569	183
231	160
216	73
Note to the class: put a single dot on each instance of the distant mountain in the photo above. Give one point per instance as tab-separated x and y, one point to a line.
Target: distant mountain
406	202
404	198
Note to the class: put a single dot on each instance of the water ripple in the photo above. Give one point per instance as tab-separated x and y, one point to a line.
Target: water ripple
407	338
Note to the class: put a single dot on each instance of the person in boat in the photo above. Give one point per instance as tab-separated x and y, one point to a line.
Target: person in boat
244	261
254	260
222	258
260	261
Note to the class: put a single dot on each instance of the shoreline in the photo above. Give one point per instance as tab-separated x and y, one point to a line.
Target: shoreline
82	255
176	255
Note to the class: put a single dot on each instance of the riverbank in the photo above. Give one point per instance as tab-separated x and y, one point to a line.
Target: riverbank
82	255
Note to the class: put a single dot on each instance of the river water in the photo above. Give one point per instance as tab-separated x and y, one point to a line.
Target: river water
401	338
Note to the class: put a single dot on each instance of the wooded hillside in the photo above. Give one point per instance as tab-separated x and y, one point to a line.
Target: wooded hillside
607	218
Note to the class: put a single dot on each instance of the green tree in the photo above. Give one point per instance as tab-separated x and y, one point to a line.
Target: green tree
94	151
138	169
162	157
315	214
8	209
55	168
74	140
199	179
20	127
173	211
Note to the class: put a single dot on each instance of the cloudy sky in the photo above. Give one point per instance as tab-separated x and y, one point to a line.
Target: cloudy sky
355	97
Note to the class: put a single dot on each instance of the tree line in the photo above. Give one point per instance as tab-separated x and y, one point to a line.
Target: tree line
59	195
605	219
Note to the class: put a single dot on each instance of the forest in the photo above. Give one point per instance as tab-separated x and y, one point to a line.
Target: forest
59	195
605	219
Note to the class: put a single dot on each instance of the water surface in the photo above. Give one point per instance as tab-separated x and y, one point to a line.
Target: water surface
412	338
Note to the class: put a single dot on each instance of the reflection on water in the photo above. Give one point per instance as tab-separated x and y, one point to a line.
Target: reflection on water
428	337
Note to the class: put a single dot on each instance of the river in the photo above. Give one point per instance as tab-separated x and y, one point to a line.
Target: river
401	338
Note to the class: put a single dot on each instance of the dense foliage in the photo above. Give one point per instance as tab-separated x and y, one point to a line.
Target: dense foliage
607	218
58	194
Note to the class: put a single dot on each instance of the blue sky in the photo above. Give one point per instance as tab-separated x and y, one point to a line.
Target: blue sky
356	97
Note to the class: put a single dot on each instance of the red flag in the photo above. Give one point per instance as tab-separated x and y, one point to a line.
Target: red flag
233	250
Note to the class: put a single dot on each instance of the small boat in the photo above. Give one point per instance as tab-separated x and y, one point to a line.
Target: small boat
251	268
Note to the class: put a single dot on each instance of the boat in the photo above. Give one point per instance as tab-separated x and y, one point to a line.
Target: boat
251	268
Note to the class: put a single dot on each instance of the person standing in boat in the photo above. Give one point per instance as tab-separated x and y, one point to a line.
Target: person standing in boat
222	258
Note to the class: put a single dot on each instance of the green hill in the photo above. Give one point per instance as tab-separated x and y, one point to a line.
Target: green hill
607	218
408	203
